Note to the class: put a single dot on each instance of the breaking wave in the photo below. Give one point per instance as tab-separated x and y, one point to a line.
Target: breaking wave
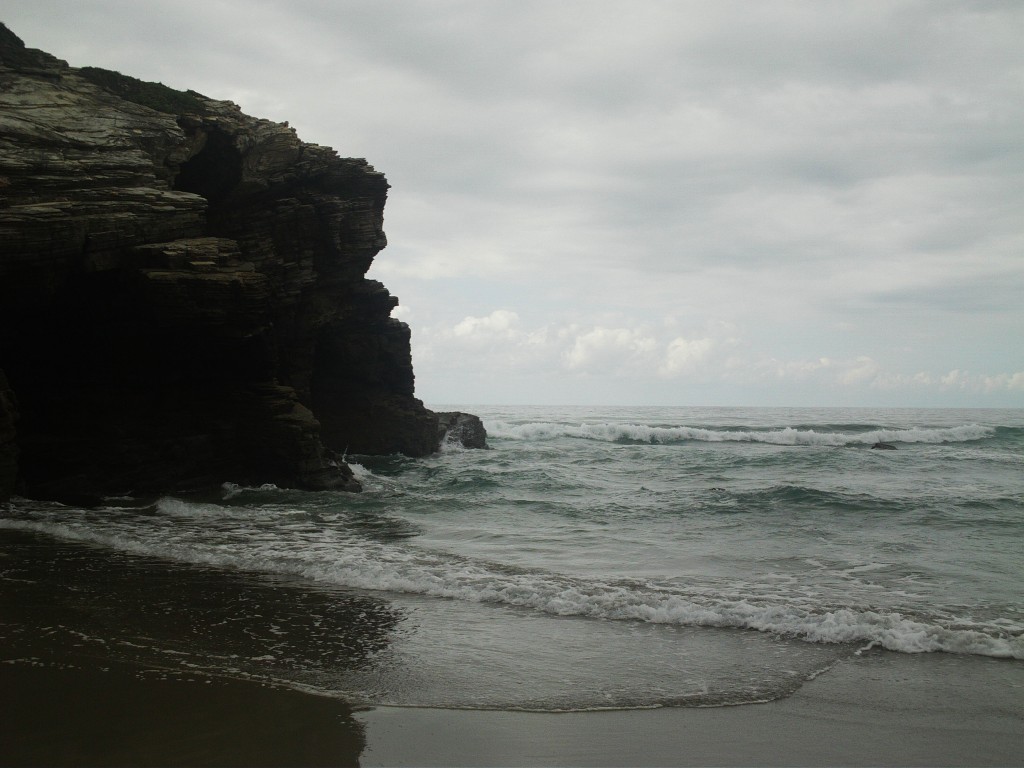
338	557
640	433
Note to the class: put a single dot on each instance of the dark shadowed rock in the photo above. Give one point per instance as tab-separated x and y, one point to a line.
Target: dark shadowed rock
462	428
183	298
8	443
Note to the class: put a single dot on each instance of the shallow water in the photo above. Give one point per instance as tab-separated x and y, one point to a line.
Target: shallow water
593	558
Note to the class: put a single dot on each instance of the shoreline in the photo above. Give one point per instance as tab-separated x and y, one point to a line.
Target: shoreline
878	709
74	690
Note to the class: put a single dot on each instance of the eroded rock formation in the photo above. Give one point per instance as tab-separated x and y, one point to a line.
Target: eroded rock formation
464	429
183	298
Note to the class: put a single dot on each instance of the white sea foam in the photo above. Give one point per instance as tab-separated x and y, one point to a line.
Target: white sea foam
360	472
233	490
610	432
337	558
451	444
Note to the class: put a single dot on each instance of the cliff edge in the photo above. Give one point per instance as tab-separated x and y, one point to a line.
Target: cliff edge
183	298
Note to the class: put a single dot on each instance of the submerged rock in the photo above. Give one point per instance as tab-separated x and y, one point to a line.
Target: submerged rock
183	298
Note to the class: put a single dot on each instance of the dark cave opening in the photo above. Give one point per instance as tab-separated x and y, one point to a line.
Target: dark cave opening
215	171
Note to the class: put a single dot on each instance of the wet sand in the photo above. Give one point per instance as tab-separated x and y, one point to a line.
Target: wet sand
117	715
879	710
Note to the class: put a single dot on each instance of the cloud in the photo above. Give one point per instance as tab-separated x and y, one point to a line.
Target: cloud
682	354
1003	381
508	353
499	324
568	176
610	350
863	370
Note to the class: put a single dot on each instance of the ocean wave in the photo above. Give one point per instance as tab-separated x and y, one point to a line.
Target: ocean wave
234	490
798	497
641	433
561	596
345	561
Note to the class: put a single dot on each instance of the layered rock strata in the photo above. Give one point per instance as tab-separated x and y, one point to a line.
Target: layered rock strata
183	298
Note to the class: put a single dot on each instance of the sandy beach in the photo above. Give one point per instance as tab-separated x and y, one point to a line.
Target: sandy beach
897	710
108	714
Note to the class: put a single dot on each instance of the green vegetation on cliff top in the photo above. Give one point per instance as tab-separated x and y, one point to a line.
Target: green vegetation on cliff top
153	95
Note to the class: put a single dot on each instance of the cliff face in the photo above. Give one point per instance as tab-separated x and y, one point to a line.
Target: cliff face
183	297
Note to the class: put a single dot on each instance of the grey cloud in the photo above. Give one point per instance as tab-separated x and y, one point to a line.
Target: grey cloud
964	294
783	166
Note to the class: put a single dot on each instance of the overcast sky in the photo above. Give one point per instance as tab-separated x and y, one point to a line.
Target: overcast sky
644	202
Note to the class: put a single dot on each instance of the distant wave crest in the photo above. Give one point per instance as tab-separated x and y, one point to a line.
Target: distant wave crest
640	433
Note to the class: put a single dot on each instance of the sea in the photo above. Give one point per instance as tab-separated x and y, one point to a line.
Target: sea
591	558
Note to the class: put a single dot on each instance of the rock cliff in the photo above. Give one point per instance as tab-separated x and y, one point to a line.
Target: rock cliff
183	298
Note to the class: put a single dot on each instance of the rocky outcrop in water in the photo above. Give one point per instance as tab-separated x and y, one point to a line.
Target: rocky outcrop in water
465	429
183	298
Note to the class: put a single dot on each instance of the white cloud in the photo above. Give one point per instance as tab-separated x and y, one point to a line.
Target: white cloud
1008	381
611	350
501	323
682	354
863	370
955	379
984	383
782	200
